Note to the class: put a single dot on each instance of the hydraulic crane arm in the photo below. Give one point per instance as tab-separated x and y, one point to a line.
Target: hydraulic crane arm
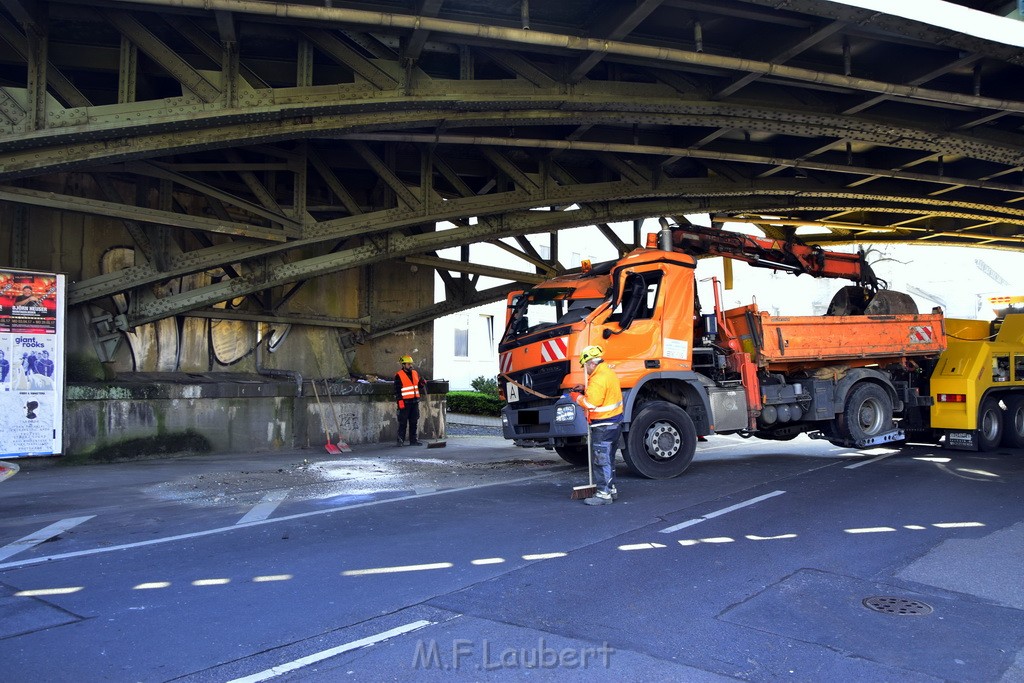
775	254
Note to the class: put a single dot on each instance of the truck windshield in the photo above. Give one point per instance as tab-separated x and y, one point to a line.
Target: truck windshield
538	309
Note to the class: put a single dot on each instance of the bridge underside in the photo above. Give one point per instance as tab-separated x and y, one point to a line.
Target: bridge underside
213	172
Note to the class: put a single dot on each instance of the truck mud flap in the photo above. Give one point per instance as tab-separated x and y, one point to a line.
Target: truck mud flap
889	437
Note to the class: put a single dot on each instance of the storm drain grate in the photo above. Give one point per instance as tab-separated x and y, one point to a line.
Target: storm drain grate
888	604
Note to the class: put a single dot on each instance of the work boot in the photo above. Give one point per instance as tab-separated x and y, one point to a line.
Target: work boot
414	442
600	498
399	442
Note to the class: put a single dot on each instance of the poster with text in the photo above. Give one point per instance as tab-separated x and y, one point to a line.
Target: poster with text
31	363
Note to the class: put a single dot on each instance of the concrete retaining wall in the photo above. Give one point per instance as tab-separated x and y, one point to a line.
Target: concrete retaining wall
234	413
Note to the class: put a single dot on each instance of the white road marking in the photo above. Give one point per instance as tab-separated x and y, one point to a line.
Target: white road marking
42	535
276	671
265	507
286	518
868	462
711	515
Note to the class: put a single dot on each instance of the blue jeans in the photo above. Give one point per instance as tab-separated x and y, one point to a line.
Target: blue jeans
604	440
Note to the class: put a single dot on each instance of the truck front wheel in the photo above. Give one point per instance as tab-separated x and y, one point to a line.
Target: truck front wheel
661	441
990	424
1013	424
574	455
867	413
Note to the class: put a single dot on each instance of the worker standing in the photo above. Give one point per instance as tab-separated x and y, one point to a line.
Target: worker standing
602	399
409	386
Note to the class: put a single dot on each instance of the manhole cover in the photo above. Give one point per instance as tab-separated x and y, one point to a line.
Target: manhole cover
893	605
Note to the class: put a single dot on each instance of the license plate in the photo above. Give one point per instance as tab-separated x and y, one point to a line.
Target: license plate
512	392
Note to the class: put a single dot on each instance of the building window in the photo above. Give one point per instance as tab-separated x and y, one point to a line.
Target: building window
489	326
461	343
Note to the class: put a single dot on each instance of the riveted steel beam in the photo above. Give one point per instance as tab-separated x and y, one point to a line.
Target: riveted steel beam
422	316
473	268
181	70
311	320
103	208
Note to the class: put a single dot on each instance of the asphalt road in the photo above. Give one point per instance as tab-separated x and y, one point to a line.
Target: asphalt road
471	562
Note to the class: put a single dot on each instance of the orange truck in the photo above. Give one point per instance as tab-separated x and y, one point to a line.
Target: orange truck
847	377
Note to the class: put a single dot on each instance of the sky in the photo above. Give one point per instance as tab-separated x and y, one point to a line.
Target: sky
947	15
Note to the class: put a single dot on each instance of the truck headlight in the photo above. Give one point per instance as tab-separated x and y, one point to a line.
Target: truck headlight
504	418
565	413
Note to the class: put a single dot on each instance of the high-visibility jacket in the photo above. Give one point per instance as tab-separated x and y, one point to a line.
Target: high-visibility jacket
603	397
409	384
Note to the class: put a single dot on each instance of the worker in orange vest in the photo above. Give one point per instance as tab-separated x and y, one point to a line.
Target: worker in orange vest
409	387
602	399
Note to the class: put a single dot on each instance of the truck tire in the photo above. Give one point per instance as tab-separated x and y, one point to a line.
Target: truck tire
1013	422
574	455
990	424
661	441
867	413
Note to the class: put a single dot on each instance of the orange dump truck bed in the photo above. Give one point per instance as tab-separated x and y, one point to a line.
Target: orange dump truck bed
788	342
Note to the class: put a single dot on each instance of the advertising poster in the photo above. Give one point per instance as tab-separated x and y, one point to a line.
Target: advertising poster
31	363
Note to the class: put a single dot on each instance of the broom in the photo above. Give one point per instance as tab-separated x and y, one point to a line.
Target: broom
342	444
588	491
330	447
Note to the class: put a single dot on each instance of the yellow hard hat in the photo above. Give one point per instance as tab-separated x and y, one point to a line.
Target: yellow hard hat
405	359
590	353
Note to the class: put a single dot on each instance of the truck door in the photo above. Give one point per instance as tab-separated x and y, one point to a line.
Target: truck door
631	334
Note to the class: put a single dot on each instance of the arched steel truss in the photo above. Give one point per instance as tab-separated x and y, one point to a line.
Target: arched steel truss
280	141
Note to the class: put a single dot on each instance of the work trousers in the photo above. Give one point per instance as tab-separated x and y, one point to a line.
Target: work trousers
604	440
409	415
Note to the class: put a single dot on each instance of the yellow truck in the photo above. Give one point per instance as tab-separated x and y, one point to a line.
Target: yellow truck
978	381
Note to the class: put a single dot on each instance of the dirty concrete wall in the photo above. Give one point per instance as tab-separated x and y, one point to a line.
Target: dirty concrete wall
86	246
127	419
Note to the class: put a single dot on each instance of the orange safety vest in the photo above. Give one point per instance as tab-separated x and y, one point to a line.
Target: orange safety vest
410	385
603	398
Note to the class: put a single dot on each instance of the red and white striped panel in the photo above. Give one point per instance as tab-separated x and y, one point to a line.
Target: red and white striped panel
554	349
505	363
921	334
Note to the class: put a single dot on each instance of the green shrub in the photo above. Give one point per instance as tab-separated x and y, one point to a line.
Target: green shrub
485	385
474	403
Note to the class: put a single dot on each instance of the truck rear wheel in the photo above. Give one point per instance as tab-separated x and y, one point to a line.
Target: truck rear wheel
574	455
867	413
990	424
661	441
1013	422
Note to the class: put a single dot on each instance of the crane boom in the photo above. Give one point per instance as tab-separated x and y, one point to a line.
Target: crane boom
867	294
761	252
